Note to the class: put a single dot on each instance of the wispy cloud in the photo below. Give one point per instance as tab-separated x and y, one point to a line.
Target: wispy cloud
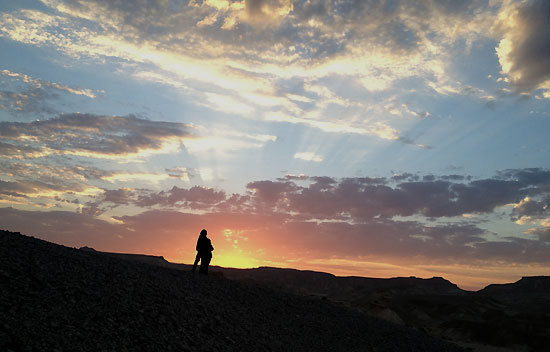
22	93
95	136
224	141
308	156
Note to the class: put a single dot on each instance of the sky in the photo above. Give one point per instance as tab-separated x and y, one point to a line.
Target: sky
368	138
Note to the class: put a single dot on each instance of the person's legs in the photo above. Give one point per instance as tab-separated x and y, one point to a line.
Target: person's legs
205	261
197	258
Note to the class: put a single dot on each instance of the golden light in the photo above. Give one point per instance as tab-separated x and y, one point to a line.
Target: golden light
235	261
233	251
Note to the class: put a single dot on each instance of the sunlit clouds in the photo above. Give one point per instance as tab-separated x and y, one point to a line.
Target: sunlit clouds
361	138
524	51
308	156
326	43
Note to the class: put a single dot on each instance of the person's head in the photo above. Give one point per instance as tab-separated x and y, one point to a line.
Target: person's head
203	232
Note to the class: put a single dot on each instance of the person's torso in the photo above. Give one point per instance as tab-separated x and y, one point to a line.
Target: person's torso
204	245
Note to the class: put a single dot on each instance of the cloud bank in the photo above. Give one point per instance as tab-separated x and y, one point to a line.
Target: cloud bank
435	220
92	135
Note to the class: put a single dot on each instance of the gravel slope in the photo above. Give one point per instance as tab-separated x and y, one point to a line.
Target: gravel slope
58	298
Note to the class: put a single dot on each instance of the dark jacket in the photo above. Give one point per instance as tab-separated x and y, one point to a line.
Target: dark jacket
204	246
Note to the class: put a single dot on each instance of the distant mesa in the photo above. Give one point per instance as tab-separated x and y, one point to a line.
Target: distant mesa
87	249
527	285
143	258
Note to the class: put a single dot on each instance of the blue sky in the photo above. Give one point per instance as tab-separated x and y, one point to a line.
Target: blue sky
399	138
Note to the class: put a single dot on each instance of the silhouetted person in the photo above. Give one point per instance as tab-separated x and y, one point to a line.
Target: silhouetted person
204	253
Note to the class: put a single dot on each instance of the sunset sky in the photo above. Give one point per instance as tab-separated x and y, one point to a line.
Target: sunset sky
369	138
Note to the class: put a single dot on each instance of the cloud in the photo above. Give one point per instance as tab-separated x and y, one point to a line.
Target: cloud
47	180
180	172
271	192
363	199
196	197
529	207
302	220
171	233
125	177
39	193
357	200
308	156
119	196
542	233
18	151
232	56
96	135
260	12
38	83
225	140
524	50
32	95
15	189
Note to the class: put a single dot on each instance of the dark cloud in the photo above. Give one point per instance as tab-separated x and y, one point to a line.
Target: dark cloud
428	178
293	178
405	177
33	188
196	197
95	134
455	177
338	26
322	182
91	209
359	199
25	94
366	198
348	218
15	189
271	192
542	233
536	177
33	100
532	208
121	196
14	151
179	172
525	51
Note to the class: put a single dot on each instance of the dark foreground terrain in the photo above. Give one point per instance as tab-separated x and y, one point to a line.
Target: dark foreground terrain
503	317
498	318
54	298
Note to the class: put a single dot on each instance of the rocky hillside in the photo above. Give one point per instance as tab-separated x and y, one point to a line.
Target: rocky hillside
54	298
